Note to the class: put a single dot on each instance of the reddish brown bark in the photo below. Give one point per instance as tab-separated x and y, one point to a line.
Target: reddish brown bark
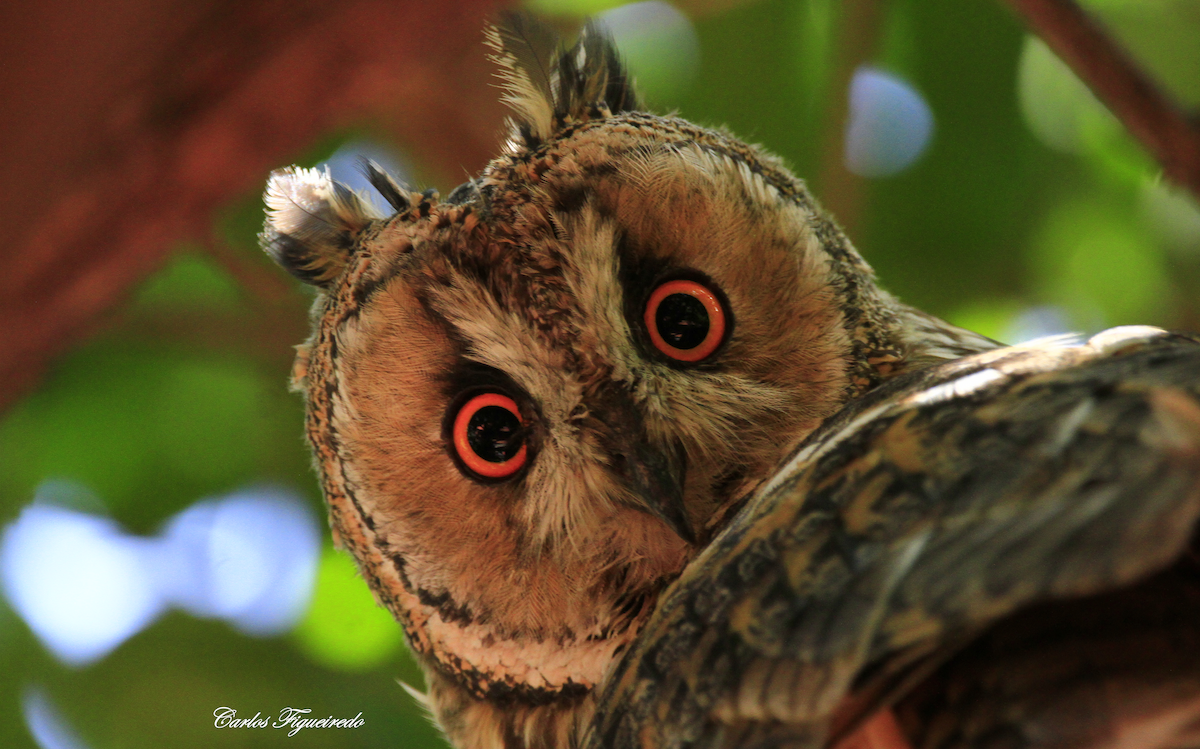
128	124
842	192
1170	134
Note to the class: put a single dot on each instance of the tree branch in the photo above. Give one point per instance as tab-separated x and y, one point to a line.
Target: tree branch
124	132
860	25
1163	128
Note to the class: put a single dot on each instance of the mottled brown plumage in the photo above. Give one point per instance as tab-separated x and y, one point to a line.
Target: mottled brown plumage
764	544
926	514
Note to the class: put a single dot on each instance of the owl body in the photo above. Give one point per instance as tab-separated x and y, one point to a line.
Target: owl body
536	403
1000	549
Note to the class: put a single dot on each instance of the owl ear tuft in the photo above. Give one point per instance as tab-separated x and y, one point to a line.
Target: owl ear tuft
549	87
311	223
591	74
397	195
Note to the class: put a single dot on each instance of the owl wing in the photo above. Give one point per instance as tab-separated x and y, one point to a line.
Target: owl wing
938	504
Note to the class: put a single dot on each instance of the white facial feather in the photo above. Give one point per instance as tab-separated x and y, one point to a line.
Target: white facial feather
307	204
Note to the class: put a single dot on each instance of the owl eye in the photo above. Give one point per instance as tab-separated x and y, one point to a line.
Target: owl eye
487	436
685	319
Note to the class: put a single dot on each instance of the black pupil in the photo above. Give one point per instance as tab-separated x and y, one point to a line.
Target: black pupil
493	433
682	321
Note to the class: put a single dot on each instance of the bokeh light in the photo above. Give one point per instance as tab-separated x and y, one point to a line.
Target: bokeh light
80	583
249	558
659	45
1100	268
346	166
345	629
46	723
1057	106
84	585
890	124
1037	322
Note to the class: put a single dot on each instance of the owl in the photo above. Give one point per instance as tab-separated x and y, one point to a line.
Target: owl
628	438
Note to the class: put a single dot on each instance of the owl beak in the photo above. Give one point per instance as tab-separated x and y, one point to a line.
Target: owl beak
652	473
657	479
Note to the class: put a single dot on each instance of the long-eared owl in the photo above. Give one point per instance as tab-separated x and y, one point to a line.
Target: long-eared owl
626	435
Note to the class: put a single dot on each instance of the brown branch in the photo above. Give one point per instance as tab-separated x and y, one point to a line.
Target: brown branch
1163	128
842	192
124	132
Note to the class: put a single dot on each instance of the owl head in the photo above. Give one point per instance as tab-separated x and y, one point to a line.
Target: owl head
532	402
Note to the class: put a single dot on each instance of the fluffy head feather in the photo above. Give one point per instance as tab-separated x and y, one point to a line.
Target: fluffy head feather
311	223
549	88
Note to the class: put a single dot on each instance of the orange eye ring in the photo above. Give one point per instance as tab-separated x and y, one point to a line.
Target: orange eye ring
476	428
699	349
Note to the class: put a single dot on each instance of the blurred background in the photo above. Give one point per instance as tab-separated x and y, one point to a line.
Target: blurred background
163	548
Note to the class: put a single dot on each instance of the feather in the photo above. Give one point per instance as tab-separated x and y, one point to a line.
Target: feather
421	698
523	47
386	185
548	86
311	220
607	79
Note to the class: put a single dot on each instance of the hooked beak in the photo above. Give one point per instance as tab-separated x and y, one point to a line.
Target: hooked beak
657	479
653	474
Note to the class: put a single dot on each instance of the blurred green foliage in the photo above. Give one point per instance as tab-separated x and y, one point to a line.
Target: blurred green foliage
343	606
1030	195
